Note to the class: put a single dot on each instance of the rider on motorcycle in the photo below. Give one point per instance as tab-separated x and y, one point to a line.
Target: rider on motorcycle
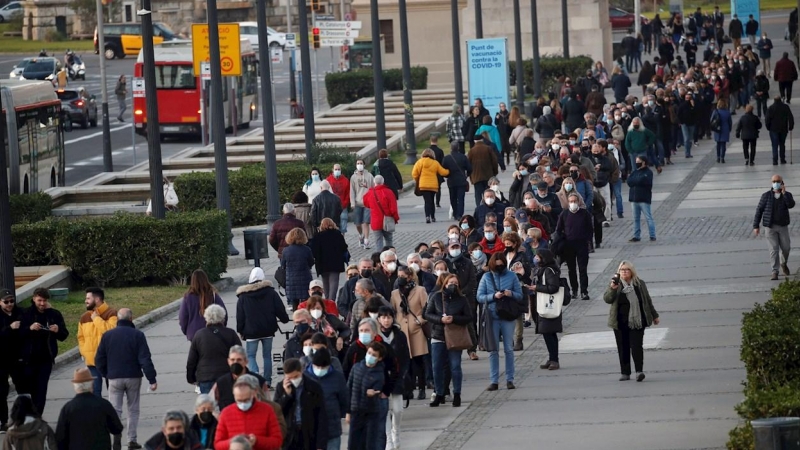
69	58
43	53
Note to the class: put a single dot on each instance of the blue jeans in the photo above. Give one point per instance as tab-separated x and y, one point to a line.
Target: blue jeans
722	146
638	209
617	188
365	430
688	138
343	221
334	443
659	152
251	347
205	386
97	385
383	412
506	328
440	352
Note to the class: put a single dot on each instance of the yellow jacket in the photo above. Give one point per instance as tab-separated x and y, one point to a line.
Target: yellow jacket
425	171
90	330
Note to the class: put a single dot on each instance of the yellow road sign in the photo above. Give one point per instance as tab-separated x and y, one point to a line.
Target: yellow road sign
229	52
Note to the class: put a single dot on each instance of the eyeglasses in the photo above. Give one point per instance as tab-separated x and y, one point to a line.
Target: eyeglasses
8	302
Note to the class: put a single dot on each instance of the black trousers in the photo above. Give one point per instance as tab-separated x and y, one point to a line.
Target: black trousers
38	377
430	207
480	186
785	88
457	194
551	341
439	196
577	252
13	370
629	343
749	149
298	442
761	105
418	371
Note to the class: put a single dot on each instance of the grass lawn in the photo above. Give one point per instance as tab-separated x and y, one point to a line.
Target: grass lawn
399	156
140	299
32	48
708	6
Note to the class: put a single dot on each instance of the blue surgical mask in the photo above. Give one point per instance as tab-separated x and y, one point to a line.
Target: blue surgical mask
507	229
365	338
776	186
465	226
523	172
315	178
337	173
490	235
476	254
320	372
371	360
245	406
547	168
536	260
610	121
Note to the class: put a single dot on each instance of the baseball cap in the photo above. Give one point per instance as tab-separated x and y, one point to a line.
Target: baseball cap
5	293
315	284
453	242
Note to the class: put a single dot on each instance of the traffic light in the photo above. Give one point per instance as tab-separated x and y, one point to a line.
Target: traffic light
315	31
315	5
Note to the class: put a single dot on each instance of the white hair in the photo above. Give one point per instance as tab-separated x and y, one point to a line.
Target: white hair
242	440
378	179
412	256
288	208
214	315
325	185
82	388
237	350
371	322
204	399
386	254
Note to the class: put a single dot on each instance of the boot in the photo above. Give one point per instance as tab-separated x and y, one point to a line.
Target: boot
437	400
422	395
117	443
456	400
518	345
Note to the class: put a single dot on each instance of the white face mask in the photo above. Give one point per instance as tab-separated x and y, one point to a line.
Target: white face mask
308	351
438	272
359	167
573	207
391	267
245	406
296	381
567	187
374	315
316	313
453	235
494	187
414	266
489	201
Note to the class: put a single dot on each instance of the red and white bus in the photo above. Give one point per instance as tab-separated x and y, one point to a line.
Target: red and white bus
179	91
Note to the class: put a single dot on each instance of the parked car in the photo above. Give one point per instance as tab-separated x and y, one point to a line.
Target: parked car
9	11
41	69
16	71
620	18
249	31
80	105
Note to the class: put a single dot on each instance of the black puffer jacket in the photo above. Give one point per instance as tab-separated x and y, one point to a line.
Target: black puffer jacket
208	356
456	306
258	310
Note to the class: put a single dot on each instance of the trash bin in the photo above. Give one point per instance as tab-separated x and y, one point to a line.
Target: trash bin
777	433
256	245
59	294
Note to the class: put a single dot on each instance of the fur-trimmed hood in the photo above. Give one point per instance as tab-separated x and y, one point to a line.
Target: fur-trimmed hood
253	287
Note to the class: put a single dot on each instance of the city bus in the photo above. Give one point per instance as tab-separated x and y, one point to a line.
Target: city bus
34	136
179	92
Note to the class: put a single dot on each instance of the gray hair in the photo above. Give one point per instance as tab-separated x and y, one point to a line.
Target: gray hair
242	439
371	322
237	350
366	284
386	254
82	388
325	185
366	259
413	256
204	399
247	380
125	314
378	179
288	208
214	315
176	414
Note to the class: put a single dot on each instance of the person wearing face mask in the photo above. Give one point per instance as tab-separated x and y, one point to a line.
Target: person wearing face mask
490	204
361	182
576	227
389	330
387	272
367	427
303	404
458	263
325	205
312	187
334	392
328	324
773	213
491	243
764	46
176	434
521	179
573	111
409	300
457	181
484	166
548	202
500	198
222	391
640	195
518	261
250	417
533	215
340	185
391	174
747	130
547	124
203	423
347	299
208	355
302	330
568	187
424	279
365	294
721	125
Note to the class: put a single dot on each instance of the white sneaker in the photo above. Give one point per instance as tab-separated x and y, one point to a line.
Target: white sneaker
197	389
367	244
606	224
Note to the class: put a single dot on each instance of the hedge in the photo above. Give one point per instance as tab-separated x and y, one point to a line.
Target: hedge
127	248
247	186
551	67
771	356
347	87
29	208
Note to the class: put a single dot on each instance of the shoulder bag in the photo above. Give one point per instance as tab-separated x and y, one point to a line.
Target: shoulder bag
507	308
548	306
461	169
456	337
425	327
388	222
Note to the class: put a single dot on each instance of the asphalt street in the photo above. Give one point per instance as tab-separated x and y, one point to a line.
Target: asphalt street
84	148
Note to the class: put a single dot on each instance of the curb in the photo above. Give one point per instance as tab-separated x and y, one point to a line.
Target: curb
408	186
150	318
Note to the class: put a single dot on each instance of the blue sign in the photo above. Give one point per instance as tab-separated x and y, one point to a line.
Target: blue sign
744	8
487	69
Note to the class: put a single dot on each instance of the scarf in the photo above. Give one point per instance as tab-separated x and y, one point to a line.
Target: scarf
479	262
388	339
635	312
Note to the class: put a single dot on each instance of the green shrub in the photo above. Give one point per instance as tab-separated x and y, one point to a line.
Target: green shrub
552	67
29	208
127	248
326	155
741	438
347	87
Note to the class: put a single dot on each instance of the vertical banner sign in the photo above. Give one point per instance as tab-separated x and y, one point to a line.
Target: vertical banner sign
487	70
743	8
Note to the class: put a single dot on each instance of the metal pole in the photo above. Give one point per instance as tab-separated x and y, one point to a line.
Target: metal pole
272	90
408	100
218	120
377	76
457	53
133	129
316	82
107	162
564	28
518	55
6	249
153	130
308	94
292	82
478	20
267	96
637	11
537	70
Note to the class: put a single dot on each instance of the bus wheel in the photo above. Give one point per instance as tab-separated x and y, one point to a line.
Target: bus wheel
110	53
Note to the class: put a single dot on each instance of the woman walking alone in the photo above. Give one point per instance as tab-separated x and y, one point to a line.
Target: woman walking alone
329	248
721	128
425	174
547	281
201	295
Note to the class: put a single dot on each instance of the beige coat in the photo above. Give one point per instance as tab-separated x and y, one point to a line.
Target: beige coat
417	300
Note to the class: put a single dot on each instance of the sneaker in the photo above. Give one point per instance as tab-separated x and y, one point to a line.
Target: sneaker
492	387
473	356
620	215
585	296
774	276
634	239
132	445
785	269
606	224
197	390
652	239
3	428
510	385
367	244
574	294
640	377
625	378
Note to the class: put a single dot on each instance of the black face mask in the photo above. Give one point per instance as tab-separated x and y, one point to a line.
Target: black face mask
509	248
450	289
366	273
206	416
402	282
237	369
175	439
301	329
636	127
500	268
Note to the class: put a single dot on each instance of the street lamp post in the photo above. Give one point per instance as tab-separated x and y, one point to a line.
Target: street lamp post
6	250
153	130
537	70
564	28
377	76
408	101
478	19
457	53
218	119
308	94
107	162
270	160
518	55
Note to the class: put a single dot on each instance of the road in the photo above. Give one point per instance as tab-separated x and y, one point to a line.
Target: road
84	148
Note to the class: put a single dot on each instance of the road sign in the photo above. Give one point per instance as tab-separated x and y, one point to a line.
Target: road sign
338	25
325	17
138	87
338	34
291	41
276	54
348	17
205	71
229	51
336	42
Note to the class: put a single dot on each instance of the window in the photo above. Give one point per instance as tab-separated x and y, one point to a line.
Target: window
387	30
173	76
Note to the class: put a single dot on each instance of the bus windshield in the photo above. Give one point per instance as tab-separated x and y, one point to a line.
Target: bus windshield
174	76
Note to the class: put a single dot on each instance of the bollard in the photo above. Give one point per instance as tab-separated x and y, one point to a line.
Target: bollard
777	433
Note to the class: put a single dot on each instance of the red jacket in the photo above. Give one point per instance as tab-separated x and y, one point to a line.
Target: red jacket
260	420
785	70
498	247
341	187
381	202
330	307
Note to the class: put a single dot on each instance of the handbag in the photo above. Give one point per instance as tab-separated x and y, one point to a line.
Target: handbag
507	308
425	327
548	306
456	337
567	295
388	222
417	191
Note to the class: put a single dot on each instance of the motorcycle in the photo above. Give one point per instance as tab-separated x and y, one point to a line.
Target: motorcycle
77	70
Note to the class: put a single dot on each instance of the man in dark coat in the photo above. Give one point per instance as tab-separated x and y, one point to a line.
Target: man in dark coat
438	153
773	213
391	175
457	181
785	74
86	421
325	205
348	298
750	29
630	47
779	121
595	101
640	182
573	112
736	31
10	351
282	227
208	355
484	166
303	404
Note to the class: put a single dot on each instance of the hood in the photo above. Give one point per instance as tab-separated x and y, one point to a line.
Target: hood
26	430
253	287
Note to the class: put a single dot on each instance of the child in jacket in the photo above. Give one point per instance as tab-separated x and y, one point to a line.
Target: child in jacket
364	389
